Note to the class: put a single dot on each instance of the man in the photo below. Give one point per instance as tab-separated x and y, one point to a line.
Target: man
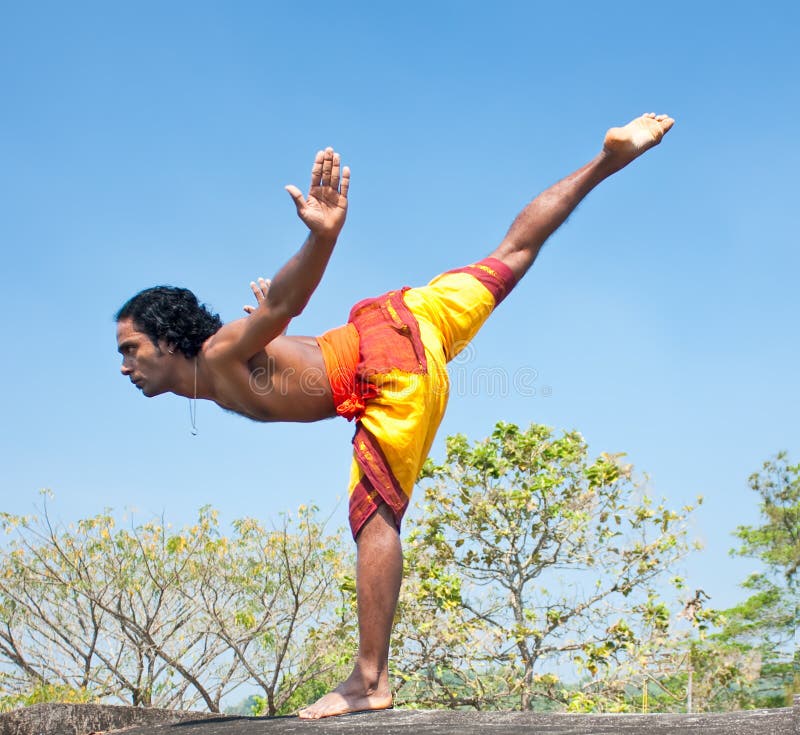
386	368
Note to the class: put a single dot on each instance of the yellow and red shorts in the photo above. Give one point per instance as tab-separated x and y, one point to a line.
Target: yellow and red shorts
388	370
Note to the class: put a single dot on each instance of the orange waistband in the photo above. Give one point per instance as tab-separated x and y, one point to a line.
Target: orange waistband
340	352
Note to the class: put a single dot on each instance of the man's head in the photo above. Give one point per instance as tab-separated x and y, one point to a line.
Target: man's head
158	329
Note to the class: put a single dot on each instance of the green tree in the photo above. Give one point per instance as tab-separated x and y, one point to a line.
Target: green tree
170	618
529	556
288	613
748	662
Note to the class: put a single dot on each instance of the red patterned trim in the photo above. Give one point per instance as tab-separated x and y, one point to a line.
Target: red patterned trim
494	274
364	503
378	484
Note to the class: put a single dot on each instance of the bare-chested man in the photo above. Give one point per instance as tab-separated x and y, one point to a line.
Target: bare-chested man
385	368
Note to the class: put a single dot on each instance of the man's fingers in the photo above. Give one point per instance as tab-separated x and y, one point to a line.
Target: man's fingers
327	167
297	195
345	181
326	171
337	160
260	289
316	169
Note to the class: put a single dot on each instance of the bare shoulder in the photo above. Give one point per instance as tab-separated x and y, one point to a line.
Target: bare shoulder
222	345
225	345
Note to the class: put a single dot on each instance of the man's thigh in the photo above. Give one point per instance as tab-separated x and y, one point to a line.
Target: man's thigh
459	302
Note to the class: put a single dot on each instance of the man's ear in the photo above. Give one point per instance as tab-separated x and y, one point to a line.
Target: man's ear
163	346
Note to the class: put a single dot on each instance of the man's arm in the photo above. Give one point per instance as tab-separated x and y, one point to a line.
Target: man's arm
324	212
259	288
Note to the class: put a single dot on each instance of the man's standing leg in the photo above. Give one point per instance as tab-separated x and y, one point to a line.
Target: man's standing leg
380	560
379	570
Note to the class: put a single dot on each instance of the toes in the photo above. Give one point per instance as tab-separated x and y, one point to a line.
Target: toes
314	712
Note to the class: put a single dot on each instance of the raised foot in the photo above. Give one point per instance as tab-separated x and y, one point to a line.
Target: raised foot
626	143
340	702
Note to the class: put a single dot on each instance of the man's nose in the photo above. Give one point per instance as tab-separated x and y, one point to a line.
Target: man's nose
124	369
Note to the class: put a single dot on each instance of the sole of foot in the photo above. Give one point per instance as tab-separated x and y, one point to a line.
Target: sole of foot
639	135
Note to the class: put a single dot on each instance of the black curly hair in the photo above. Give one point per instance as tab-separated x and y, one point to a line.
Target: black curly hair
172	314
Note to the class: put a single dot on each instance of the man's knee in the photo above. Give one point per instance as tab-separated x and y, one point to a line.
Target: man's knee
381	523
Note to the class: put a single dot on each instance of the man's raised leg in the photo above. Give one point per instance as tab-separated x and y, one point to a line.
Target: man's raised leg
545	214
379	570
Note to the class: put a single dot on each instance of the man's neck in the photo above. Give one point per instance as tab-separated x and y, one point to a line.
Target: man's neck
194	379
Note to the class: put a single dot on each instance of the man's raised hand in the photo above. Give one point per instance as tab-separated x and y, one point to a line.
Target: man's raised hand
325	209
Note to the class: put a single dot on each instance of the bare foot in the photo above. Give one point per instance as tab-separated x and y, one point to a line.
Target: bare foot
624	144
347	698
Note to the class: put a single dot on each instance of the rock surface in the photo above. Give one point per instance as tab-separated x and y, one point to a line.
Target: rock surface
68	720
81	719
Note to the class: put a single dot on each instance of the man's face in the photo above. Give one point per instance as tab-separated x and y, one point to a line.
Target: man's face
147	365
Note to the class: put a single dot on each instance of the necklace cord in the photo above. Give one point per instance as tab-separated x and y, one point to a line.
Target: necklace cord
193	403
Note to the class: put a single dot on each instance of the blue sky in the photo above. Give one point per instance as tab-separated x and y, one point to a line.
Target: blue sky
149	143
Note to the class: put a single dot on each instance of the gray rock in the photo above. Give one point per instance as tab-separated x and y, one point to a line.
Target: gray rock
58	720
81	719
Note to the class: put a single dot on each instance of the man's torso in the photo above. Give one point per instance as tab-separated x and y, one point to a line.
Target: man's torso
284	382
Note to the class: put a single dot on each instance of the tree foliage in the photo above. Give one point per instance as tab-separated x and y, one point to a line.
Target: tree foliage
157	617
530	559
537	576
748	662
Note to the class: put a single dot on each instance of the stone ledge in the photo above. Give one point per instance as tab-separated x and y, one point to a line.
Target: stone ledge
441	722
81	719
67	720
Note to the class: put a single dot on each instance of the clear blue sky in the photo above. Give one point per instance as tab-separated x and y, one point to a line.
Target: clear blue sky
145	143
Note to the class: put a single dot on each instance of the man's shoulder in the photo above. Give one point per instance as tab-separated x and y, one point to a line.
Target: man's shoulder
221	345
